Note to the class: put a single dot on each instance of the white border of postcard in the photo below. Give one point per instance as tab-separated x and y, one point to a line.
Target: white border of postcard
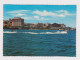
41	2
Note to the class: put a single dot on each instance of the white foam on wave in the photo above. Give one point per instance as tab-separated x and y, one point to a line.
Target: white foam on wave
58	32
30	32
9	32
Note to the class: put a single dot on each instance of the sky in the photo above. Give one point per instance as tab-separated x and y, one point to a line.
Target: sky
62	14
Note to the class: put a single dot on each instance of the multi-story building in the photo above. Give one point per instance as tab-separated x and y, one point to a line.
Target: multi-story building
17	22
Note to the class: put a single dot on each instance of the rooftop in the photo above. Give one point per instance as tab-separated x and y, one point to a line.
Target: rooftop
17	18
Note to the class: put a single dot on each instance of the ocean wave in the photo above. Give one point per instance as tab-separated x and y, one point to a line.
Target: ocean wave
9	32
58	32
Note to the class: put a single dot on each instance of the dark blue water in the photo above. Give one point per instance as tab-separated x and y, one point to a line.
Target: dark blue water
27	44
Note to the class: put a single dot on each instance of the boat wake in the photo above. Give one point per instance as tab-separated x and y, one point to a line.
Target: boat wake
58	32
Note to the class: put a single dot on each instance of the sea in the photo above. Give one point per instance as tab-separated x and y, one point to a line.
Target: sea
22	42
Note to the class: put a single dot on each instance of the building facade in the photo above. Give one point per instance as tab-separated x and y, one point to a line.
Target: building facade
17	22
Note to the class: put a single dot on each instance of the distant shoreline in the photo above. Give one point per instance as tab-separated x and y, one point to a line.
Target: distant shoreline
35	29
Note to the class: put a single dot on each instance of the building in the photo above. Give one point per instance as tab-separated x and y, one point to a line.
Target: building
63	26
28	25
6	24
56	26
17	22
39	26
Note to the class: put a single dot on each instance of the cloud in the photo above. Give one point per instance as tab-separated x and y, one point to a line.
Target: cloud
40	15
19	14
31	18
6	18
36	17
44	13
43	18
27	18
19	11
64	12
60	13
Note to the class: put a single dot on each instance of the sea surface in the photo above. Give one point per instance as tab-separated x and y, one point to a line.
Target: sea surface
39	43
